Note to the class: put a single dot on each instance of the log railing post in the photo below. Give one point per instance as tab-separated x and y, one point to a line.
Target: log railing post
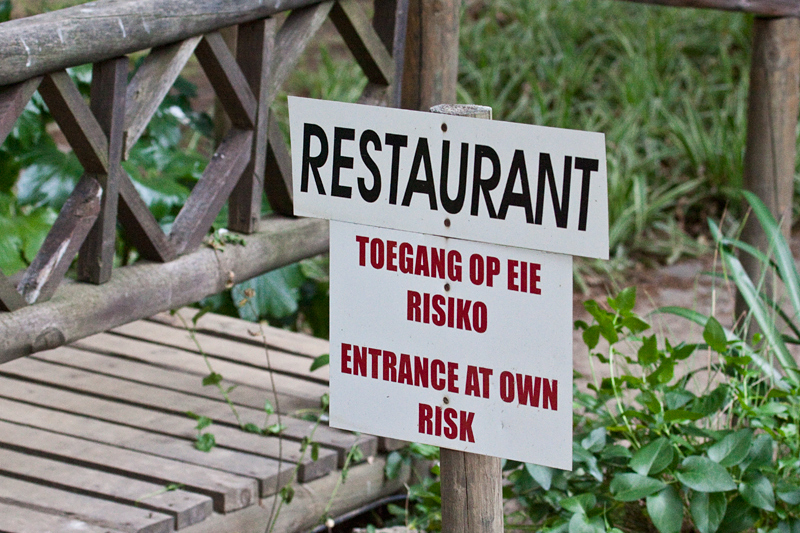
472	492
769	160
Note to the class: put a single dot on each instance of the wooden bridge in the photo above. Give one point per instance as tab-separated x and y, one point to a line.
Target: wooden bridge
96	378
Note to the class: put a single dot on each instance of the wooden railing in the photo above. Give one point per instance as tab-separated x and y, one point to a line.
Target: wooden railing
253	157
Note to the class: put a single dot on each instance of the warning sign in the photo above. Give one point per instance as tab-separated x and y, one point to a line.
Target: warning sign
454	343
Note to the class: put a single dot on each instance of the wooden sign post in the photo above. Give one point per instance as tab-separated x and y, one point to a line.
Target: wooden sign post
472	492
451	282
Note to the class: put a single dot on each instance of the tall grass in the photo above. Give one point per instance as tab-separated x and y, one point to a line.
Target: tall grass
667	86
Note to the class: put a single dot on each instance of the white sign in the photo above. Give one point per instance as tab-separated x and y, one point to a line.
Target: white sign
487	181
453	343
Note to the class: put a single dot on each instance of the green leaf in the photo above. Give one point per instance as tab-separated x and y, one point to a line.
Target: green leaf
202	423
625	300
581	503
212	379
738	517
652	458
205	442
580	523
287	494
635	324
648	352
708	510
714	335
314	451
678	398
274	429
595	441
732	449
666	510
760	453
543	475
632	487
252	428
320	361
711	402
5	10
788	492
663	374
591	336
681	415
757	491
277	294
704	475
393	464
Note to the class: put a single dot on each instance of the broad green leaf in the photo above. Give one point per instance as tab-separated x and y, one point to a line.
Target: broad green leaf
732	449
652	458
320	361
277	294
543	475
5	10
757	491
581	455
393	464
591	336
581	503
580	523
714	335
666	510
708	510
268	407
678	398
205	442
202	423
712	402
704	475
663	374
648	352
760	453
624	301
681	415
632	487
788	493
635	324
212	379
595	441
738	516
252	428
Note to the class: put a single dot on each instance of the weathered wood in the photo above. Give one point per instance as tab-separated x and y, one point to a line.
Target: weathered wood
181	426
144	289
76	218
10	299
77	122
362	40
186	508
249	333
278	173
765	8
271	475
24	520
107	103
86	34
365	483
225	349
210	193
431	56
178	403
13	100
254	55
190	362
391	22
226	78
92	510
171	379
228	491
151	83
472	496
770	153
293	37
374	94
141	228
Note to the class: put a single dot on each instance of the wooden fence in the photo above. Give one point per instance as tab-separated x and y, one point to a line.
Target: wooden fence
177	269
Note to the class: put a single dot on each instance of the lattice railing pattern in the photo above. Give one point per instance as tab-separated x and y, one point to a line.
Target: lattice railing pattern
252	158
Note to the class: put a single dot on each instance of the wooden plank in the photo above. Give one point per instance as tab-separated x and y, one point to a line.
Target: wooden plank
472	496
171	379
144	289
186	508
151	83
227	79
13	100
770	153
76	121
374	94
271	475
178	359
10	299
293	37
278	173
141	228
248	332
26	520
228	491
86	34
107	102
178	403
76	218
176	426
254	56
210	193
96	511
766	8
362	40
224	349
365	483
